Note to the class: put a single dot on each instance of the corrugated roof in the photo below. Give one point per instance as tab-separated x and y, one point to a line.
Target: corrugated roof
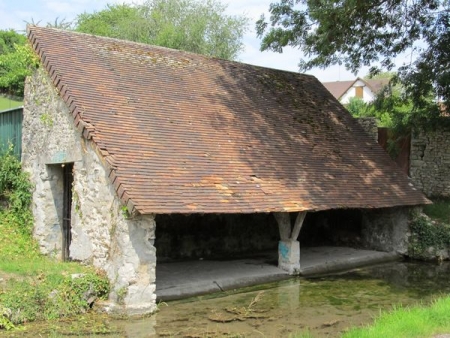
184	133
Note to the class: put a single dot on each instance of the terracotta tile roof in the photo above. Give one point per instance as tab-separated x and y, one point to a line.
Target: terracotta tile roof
183	133
339	88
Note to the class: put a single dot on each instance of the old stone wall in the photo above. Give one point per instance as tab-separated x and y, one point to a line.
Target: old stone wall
47	133
369	124
430	161
386	229
102	234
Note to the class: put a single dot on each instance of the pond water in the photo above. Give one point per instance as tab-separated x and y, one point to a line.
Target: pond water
324	306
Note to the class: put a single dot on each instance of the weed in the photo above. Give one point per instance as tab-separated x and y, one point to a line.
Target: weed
46	120
15	189
121	294
51	297
125	212
5	322
439	210
37	287
427	237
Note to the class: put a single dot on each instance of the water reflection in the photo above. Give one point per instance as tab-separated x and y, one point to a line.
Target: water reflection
326	306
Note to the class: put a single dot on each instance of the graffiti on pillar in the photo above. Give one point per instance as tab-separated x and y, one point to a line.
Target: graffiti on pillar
283	249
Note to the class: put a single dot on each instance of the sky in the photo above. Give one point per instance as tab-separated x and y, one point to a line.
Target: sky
16	13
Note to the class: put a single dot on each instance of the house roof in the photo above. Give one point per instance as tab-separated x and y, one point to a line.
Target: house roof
339	88
185	133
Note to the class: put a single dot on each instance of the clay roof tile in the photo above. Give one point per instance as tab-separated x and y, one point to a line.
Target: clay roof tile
184	133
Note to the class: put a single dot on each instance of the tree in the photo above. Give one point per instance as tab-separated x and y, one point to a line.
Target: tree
115	21
14	68
8	39
190	25
17	59
363	33
11	62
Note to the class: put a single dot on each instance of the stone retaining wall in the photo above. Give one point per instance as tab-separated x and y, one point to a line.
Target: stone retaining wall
430	161
369	124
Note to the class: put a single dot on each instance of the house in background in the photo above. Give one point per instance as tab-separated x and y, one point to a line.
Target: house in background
359	88
140	154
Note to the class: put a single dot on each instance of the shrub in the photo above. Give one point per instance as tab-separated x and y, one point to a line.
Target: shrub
51	297
15	189
428	237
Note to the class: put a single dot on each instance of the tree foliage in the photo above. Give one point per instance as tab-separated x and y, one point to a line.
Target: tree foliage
15	66
367	33
11	44
8	40
190	25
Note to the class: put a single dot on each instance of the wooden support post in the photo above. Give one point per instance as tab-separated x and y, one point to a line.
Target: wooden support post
289	247
298	225
284	225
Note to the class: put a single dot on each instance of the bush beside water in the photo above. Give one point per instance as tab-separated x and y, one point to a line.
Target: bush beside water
430	232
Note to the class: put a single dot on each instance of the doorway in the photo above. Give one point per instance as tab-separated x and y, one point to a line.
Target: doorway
67	210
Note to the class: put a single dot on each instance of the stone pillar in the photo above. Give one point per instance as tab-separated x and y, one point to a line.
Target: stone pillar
289	256
289	247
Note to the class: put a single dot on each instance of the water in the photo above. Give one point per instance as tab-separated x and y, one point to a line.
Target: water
324	306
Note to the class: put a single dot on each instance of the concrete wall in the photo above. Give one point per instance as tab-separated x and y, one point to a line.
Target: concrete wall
101	234
430	161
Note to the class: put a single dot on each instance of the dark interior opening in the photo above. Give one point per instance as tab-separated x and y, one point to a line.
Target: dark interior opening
67	210
340	227
214	236
231	236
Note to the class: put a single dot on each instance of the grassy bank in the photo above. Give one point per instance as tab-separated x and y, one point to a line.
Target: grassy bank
430	233
413	322
6	103
33	286
418	321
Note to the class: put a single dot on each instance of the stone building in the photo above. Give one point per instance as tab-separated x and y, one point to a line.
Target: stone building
126	142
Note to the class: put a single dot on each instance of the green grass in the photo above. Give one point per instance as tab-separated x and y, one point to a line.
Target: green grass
439	210
20	255
34	286
6	103
418	321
